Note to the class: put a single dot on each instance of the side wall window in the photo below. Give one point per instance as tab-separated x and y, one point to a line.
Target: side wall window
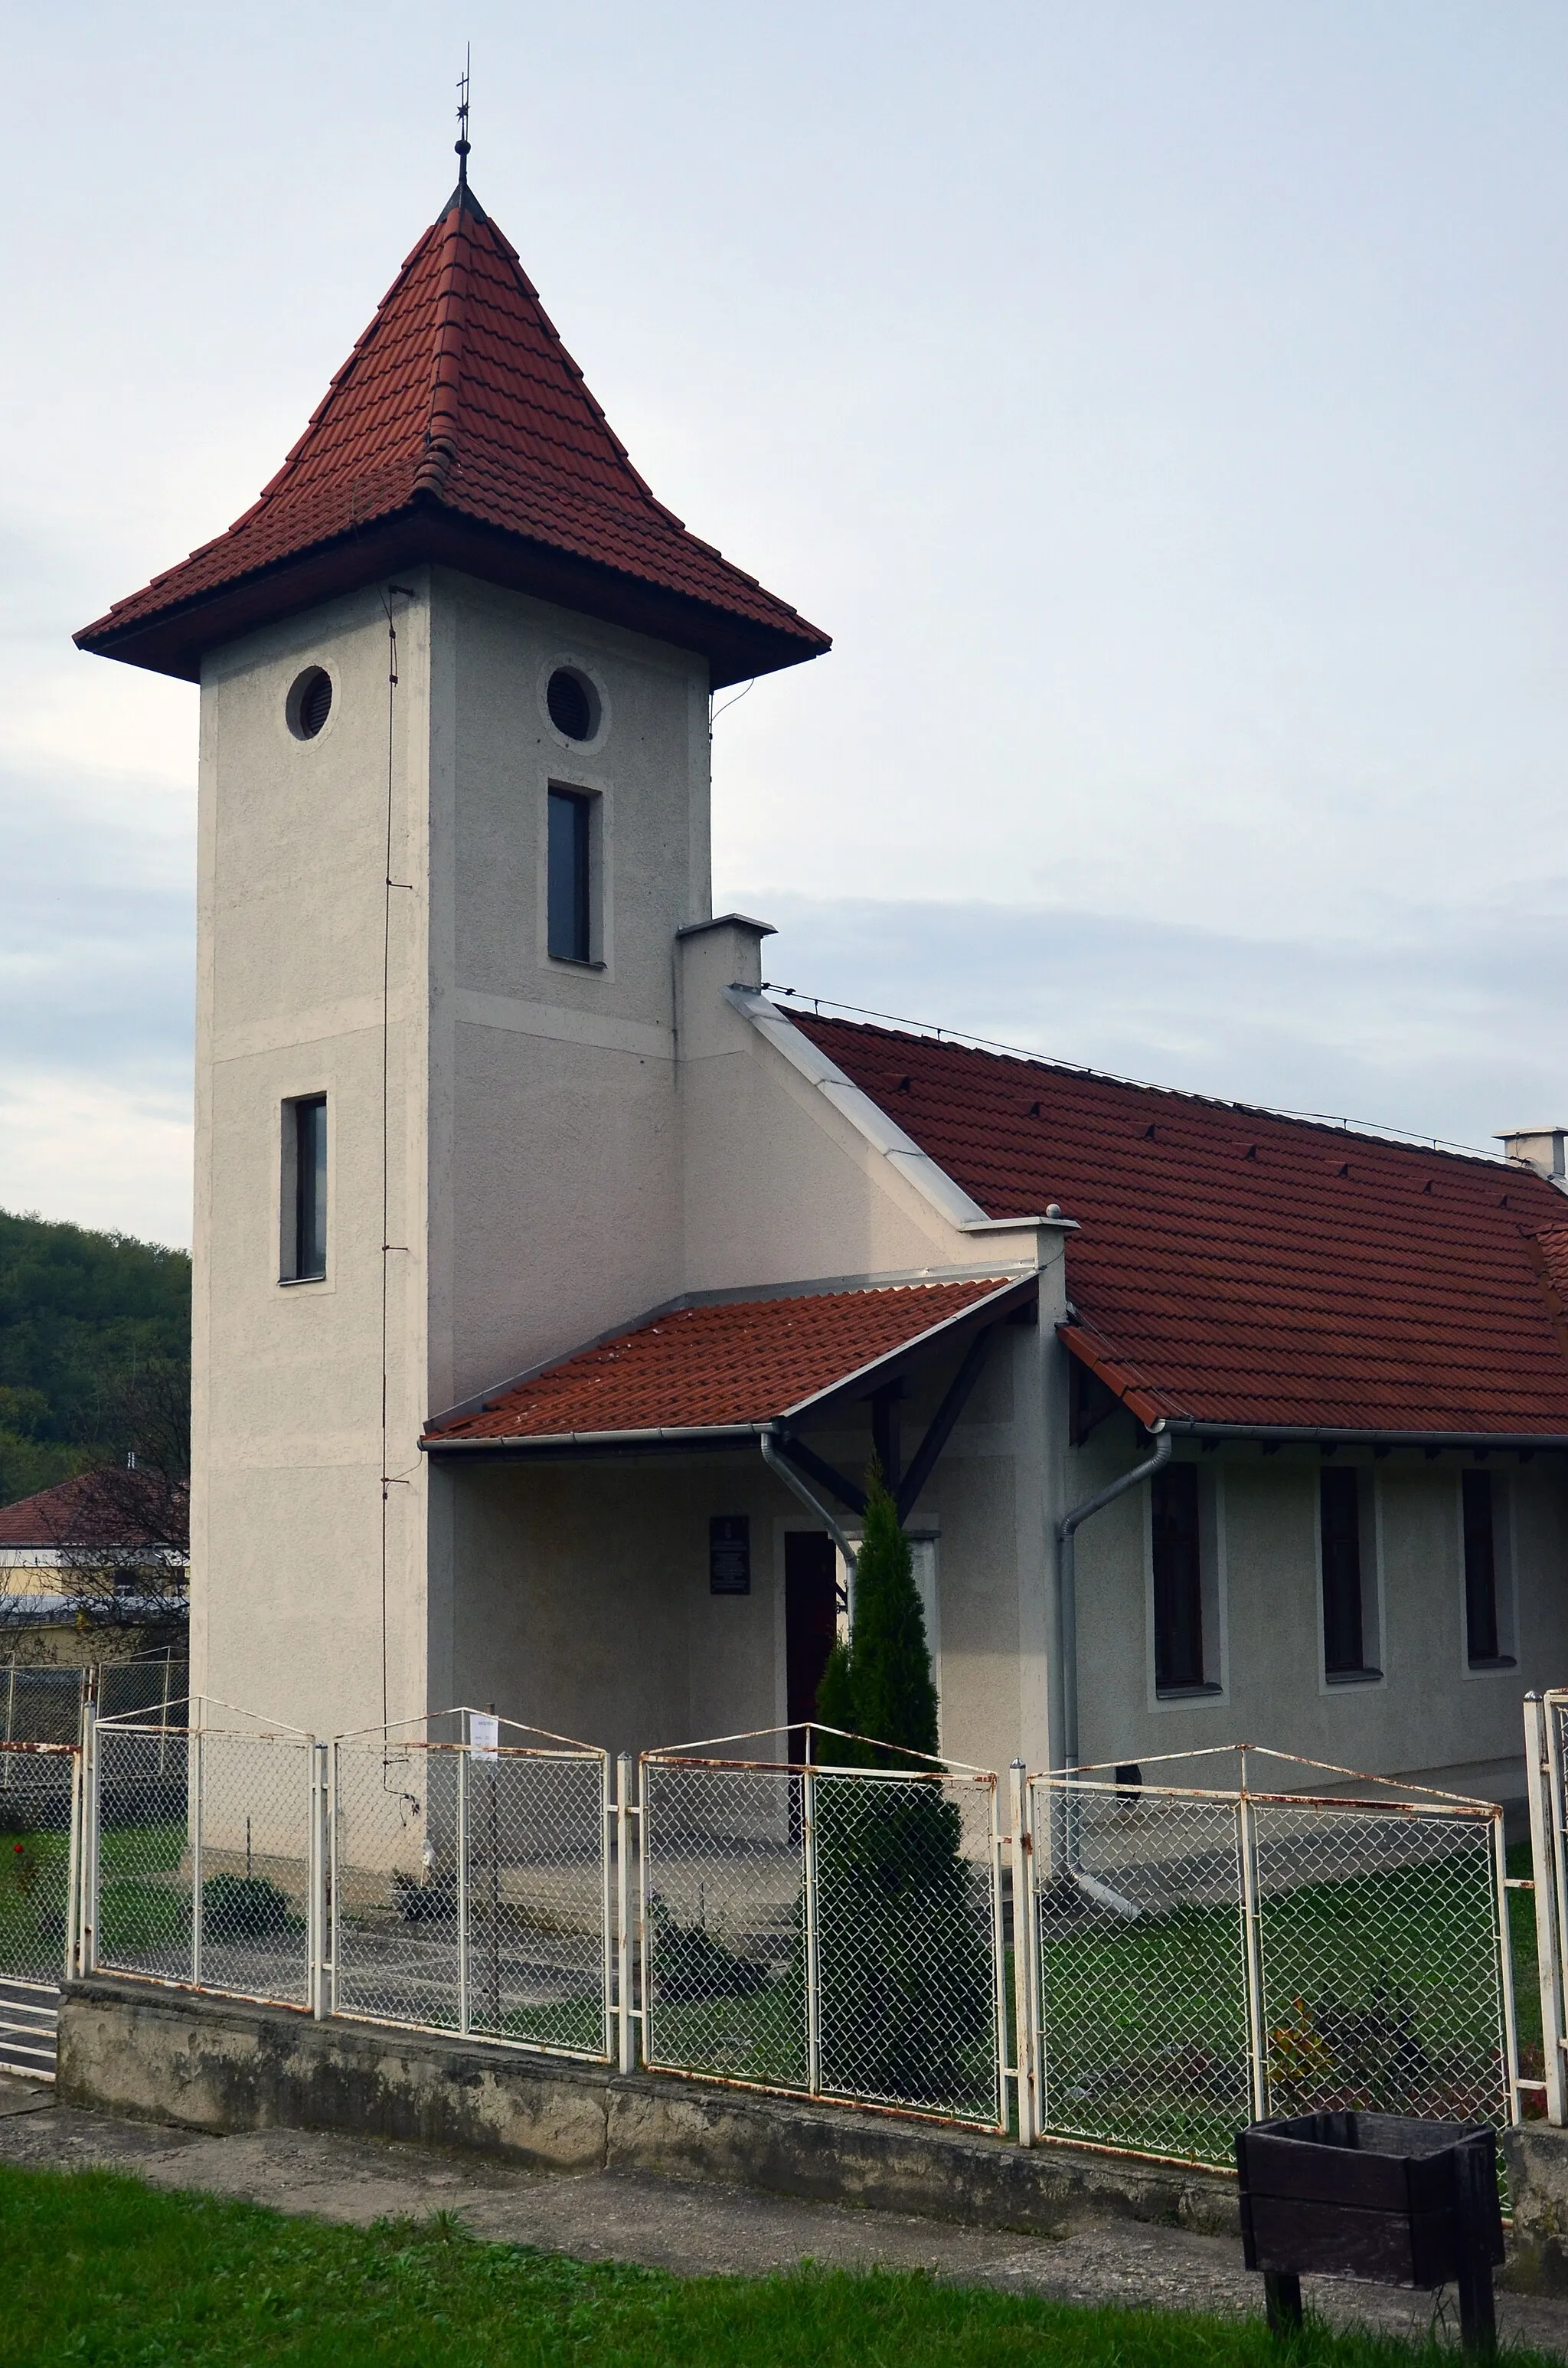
303	1212
1184	1522
1348	1566
570	885
1488	1573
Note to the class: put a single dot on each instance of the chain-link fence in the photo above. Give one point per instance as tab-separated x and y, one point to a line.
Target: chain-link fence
201	1856
470	1886
38	1839
834	1931
1210	1957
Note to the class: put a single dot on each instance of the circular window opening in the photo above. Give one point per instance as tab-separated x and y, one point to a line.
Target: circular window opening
310	703
573	703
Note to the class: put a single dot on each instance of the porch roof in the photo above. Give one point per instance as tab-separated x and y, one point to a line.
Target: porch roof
715	1370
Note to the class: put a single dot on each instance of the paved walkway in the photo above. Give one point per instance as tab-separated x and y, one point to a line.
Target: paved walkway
696	2230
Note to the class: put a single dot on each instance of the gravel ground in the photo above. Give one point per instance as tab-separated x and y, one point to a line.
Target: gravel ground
697	2230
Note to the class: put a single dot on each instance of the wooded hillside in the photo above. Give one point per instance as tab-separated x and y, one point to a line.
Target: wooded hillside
81	1313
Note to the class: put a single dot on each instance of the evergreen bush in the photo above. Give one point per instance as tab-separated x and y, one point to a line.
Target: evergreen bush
903	1921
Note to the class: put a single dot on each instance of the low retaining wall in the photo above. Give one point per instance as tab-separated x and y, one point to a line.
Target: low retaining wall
206	2063
1537	2190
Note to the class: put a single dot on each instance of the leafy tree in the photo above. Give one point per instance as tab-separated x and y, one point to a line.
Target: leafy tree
81	1315
904	1932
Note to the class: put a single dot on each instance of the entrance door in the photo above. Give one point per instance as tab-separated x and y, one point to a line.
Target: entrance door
810	1622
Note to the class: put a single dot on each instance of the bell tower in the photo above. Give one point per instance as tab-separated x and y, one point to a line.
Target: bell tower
455	666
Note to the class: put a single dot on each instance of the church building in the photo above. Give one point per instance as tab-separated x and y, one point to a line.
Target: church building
555	1284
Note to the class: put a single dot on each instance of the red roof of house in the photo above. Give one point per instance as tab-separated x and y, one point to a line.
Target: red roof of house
1235	1267
461	429
43	1520
730	1366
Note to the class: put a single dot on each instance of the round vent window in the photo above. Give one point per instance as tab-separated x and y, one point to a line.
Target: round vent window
310	703
573	703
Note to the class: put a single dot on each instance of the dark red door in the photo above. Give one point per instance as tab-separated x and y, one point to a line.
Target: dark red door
811	1621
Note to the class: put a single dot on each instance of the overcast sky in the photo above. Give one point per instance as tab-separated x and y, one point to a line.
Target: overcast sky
1162	406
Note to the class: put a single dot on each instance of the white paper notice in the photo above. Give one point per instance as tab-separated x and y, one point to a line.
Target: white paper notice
483	1735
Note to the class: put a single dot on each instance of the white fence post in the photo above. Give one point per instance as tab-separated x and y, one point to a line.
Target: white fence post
317	1862
334	1898
1026	2019
196	1918
81	1855
1506	1968
811	1903
463	2008
1546	1852
1246	1843
625	1810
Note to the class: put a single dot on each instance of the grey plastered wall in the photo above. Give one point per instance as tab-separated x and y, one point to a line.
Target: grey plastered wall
1430	1716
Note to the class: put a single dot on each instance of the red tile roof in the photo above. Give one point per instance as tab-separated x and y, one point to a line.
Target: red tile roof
43	1519
460	407
1233	1266
740	1363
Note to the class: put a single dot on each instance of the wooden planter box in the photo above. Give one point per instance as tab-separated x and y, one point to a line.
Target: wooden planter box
1375	2196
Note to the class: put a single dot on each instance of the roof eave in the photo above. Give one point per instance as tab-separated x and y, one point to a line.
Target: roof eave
426	531
567	1445
1284	1434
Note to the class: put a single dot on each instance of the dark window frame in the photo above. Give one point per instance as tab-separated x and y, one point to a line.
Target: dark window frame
1343	1575
1485	1628
1181	1645
569	875
305	1193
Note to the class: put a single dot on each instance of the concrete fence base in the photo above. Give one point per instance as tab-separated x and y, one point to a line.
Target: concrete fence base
201	2063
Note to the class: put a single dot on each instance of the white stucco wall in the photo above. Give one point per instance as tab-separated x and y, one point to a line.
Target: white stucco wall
532	1169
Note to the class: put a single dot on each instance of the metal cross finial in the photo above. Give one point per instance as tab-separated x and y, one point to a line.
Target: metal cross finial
462	138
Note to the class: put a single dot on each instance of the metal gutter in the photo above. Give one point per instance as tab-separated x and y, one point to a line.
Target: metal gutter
1330	1435
1067	1581
796	1484
598	1442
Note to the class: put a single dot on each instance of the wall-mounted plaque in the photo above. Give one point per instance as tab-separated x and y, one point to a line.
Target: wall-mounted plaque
729	1553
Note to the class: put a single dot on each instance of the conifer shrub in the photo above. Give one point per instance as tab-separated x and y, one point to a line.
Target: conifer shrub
904	1919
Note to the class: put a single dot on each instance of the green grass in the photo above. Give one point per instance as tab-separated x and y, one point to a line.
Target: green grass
107	2273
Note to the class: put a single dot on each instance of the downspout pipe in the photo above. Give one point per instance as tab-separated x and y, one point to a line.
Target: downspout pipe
1067	1579
794	1482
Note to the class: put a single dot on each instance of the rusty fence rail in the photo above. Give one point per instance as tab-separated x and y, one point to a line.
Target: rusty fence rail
826	1931
1204	1956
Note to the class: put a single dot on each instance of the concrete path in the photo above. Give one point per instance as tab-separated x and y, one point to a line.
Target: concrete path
697	2230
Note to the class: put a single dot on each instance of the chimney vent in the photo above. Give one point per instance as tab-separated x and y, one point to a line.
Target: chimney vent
1540	1147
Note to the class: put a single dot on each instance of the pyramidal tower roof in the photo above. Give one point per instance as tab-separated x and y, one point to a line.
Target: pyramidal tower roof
460	432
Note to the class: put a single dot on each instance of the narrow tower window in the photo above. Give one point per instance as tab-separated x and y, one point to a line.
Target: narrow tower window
570	928
304	1189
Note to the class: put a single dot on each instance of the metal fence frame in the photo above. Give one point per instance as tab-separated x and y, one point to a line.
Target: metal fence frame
801	1813
1053	1814
469	1744
194	1743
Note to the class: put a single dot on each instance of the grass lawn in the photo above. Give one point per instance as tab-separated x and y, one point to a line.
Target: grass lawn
108	2272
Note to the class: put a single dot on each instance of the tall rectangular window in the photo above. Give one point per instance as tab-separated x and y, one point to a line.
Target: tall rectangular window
1482	1639
1339	1533
1178	1580
304	1189
569	934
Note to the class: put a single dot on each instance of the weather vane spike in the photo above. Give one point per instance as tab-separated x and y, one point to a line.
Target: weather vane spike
462	138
